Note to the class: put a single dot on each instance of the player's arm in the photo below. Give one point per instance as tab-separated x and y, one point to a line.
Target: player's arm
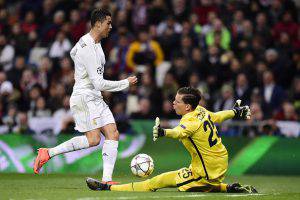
179	132
88	58
238	112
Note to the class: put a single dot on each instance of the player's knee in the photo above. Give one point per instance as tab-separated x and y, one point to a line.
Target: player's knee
94	140
113	135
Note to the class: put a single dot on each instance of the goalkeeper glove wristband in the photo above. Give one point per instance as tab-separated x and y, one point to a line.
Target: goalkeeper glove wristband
157	130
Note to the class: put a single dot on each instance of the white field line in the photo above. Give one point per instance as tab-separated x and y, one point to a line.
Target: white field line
169	196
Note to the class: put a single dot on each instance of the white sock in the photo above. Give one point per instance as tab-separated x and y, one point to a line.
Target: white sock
109	156
76	143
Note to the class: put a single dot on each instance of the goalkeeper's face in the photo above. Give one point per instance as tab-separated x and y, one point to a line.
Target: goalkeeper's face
179	106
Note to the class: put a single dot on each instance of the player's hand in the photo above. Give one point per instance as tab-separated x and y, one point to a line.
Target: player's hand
157	130
241	112
132	80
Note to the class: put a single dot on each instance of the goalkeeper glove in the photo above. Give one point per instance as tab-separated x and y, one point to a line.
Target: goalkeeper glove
157	130
241	112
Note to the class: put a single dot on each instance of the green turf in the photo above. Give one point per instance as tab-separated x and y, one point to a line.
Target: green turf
27	186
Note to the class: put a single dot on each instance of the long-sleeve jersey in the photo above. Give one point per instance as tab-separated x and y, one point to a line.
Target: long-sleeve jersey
89	60
199	135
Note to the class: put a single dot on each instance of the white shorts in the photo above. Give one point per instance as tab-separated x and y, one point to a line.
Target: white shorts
90	113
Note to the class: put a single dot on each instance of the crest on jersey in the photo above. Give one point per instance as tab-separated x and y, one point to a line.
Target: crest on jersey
100	70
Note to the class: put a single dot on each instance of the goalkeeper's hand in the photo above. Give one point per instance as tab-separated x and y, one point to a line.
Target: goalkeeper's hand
157	130
241	112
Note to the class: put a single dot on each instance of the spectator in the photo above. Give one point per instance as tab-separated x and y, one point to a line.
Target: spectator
60	46
27	81
7	53
117	56
181	70
44	73
145	110
256	112
63	117
168	111
219	30
226	101
15	73
195	82
121	118
50	30
287	25
22	126
242	90
57	93
149	90
169	25
280	67
29	24
17	38
157	12
10	119
144	51
170	86
40	109
272	94
287	112
77	25
262	29
203	9
139	14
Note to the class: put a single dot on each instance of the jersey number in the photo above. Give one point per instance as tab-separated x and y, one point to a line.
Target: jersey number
208	123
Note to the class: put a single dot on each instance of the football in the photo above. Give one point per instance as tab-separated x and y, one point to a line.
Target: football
142	165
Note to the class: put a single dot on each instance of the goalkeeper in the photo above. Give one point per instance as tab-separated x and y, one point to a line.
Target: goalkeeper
199	135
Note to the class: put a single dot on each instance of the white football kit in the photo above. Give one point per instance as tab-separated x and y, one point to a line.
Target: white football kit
86	102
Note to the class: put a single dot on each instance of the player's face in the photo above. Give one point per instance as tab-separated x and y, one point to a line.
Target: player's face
106	27
179	106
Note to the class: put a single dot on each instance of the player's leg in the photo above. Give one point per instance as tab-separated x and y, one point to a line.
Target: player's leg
90	139
203	186
165	180
109	150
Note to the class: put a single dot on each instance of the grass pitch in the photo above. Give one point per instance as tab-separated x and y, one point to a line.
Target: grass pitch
56	186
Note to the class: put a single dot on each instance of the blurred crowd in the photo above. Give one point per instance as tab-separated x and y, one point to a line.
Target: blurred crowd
228	49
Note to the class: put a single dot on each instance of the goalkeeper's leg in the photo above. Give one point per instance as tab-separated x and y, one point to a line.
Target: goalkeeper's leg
165	180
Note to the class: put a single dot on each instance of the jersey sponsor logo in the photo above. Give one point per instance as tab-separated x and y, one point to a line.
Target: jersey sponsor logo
182	126
100	70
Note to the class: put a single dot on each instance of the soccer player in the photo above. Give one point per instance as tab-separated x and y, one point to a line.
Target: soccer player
91	114
198	133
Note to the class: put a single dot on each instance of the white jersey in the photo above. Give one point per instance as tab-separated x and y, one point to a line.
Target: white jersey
89	60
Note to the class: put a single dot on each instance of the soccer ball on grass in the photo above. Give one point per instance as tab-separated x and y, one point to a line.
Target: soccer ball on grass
142	165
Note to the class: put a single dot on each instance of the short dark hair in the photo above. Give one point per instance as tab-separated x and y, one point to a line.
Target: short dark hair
99	15
191	96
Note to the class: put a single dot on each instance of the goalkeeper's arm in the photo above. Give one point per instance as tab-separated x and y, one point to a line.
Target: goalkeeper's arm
181	131
238	112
